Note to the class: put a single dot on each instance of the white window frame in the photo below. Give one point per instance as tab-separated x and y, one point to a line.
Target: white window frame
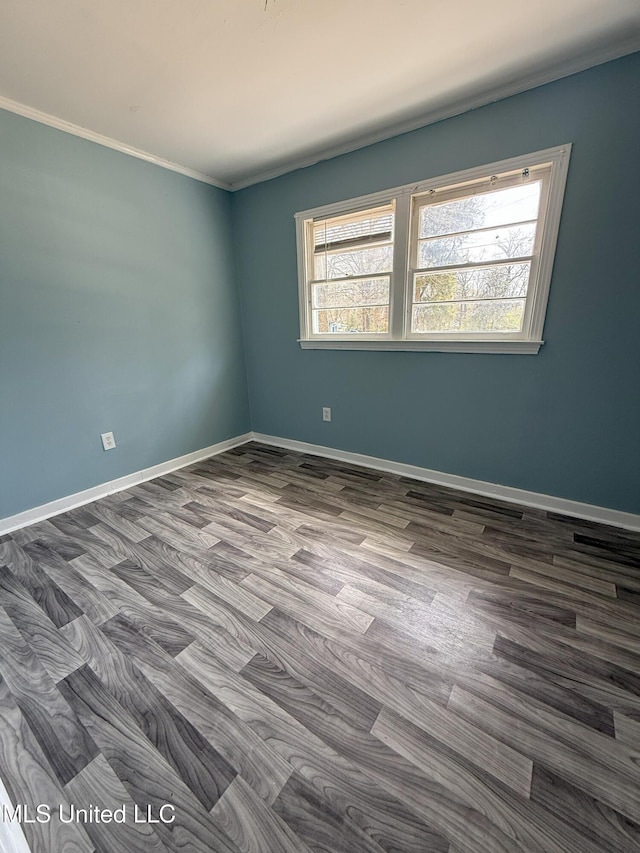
527	341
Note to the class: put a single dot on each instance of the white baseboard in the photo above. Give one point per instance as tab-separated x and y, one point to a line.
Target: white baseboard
604	515
40	513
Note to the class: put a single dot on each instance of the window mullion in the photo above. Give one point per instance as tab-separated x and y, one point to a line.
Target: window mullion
400	262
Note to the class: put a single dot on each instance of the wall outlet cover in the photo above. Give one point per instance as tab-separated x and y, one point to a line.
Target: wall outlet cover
108	441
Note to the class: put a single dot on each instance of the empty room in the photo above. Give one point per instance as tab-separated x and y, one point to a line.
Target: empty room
319	426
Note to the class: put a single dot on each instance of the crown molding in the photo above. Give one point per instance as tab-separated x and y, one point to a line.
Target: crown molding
497	93
107	141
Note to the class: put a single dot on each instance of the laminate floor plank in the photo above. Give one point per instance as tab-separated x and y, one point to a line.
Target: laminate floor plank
44	638
343	695
614	548
273	512
97	784
297	481
521	608
324	829
607	560
343	783
376	514
81	538
187	615
606	828
457	639
467	569
252	824
578	579
24	535
608	684
118	518
528	826
594	766
562	585
192	757
298	587
144	773
627	729
380	600
66	744
157	623
231	515
438	624
147	553
357	744
389	678
620	576
515	668
30	779
90	600
510	604
147	582
365	576
46	593
246	479
196	565
298	567
278	544
346	736
300	654
322	611
375	524
254	759
623	634
235	594
178	533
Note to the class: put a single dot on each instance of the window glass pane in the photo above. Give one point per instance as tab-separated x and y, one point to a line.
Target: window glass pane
344	321
502	207
504	281
357	262
368	224
347	294
510	242
492	316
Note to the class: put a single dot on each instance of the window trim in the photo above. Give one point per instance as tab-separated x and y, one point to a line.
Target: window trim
399	337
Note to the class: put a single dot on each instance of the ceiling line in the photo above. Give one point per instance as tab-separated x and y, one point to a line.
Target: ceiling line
564	69
107	141
498	93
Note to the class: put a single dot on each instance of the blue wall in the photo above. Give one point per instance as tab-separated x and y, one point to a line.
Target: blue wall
565	422
118	311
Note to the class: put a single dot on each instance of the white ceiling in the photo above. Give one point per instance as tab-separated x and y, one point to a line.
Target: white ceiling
239	90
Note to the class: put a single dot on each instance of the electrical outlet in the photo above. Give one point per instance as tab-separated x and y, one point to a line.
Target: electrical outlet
108	441
326	413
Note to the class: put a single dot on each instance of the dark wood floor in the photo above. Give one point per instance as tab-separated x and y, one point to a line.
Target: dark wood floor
298	656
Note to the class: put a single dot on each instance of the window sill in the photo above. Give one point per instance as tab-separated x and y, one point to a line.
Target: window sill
509	346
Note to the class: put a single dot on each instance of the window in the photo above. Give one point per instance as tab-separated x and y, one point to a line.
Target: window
351	263
458	263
